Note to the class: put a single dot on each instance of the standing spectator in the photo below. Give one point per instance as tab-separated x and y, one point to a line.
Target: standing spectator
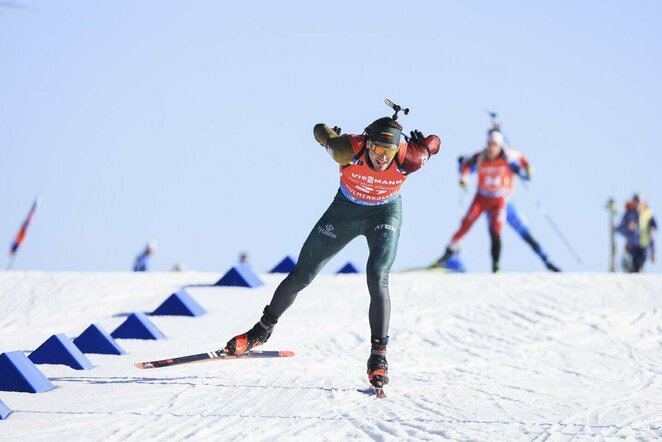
638	227
141	264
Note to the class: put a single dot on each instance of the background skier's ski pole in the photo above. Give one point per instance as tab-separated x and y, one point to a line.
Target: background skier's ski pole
549	219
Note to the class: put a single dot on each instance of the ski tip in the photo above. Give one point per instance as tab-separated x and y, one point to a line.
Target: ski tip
285	353
142	365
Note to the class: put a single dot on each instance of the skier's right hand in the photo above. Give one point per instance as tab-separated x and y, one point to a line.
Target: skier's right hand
463	183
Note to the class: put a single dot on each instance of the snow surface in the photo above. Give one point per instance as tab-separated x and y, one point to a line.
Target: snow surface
473	357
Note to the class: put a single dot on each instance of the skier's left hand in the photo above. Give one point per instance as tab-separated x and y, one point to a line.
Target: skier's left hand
417	136
525	173
653	257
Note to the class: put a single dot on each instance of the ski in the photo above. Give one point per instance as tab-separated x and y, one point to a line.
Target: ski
426	269
215	355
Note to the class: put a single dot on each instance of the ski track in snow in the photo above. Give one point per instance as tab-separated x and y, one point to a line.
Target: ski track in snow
536	357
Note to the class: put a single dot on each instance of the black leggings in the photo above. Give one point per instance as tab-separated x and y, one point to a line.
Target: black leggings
638	259
342	222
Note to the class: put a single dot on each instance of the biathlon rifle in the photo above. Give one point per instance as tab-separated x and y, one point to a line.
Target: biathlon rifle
396	108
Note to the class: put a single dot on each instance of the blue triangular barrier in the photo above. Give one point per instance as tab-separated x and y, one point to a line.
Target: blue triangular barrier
18	373
180	304
348	268
97	340
4	411
285	266
137	326
240	276
455	264
58	349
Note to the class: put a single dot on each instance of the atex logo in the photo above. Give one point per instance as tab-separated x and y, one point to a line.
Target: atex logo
384	227
327	230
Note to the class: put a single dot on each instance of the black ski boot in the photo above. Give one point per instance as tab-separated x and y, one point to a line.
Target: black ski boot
495	267
441	262
551	267
258	335
377	365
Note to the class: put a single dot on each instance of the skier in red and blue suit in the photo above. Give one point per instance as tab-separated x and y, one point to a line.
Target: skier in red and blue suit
496	166
513	217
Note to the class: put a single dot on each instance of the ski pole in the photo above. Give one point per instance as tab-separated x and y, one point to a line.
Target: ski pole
611	207
549	219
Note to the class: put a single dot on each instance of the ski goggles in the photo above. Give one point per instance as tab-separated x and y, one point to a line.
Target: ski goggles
380	150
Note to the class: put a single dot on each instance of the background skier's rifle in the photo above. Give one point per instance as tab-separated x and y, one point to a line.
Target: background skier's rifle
493	120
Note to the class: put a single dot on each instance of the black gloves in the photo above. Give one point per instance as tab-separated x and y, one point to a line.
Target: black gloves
337	130
417	136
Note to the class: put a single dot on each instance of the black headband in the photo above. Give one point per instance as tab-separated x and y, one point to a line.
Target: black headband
385	134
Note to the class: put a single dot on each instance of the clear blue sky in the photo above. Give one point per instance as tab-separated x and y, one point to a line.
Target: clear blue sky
190	123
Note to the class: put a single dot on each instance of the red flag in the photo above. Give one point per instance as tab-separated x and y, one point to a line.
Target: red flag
24	228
